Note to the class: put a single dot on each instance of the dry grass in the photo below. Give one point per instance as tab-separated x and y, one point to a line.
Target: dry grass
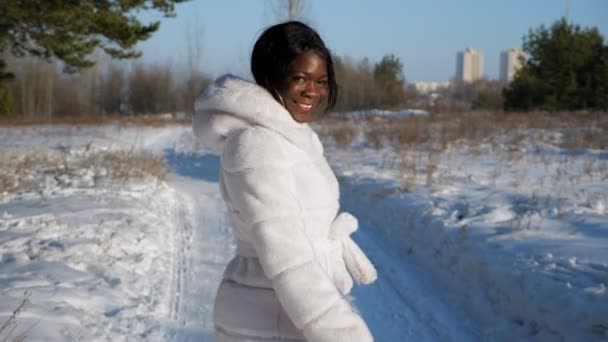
342	132
8	328
124	165
438	131
538	153
141	120
31	170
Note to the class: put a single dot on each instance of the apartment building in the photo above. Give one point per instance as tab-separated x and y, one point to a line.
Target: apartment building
510	62
469	65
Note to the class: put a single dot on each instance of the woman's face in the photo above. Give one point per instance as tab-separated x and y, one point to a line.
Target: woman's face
305	86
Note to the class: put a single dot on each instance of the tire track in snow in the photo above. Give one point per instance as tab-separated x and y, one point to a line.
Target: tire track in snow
182	245
203	248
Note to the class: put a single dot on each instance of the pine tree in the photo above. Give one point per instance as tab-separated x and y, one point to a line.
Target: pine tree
390	81
566	69
71	30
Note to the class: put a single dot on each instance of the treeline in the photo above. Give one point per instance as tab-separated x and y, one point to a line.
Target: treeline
43	90
366	86
566	68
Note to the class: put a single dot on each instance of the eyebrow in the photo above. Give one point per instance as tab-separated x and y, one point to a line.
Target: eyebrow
307	73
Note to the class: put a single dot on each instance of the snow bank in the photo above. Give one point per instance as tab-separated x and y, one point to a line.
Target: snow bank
525	265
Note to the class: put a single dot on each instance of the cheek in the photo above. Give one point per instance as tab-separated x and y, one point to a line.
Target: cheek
324	92
289	91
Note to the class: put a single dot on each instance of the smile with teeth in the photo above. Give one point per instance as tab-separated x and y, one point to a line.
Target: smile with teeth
304	107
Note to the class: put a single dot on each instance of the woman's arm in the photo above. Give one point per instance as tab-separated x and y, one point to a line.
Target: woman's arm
257	173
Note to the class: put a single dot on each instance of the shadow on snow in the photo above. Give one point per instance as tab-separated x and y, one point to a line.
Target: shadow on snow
198	166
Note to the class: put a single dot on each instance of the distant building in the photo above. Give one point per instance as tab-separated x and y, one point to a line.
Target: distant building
510	62
428	92
430	87
469	65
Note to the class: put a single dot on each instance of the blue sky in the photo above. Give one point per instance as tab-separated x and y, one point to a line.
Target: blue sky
425	35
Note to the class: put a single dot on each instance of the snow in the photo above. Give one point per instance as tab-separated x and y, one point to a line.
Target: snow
521	243
498	245
381	113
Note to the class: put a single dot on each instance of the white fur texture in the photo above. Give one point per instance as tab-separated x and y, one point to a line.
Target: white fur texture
288	280
359	266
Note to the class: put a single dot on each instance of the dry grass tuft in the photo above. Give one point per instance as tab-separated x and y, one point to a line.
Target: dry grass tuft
124	165
32	170
342	132
8	328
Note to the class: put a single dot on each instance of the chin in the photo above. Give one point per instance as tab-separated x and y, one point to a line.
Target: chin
301	118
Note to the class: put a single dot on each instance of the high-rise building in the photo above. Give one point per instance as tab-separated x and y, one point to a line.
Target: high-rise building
510	62
469	65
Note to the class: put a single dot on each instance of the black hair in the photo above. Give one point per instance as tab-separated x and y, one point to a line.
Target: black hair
278	46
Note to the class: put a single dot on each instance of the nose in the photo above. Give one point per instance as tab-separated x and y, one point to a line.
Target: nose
310	89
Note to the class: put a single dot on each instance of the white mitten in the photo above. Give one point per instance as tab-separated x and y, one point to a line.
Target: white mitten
341	277
360	267
340	324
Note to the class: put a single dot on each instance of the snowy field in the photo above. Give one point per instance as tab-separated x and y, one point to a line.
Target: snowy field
100	242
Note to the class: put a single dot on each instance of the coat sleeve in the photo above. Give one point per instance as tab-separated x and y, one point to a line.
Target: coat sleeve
257	176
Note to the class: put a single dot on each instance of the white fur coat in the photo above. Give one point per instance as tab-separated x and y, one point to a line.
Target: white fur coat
294	257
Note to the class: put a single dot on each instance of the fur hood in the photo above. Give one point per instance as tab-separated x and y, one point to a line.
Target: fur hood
231	104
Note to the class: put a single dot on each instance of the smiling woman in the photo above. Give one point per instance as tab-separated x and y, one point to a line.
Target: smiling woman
305	86
295	261
292	63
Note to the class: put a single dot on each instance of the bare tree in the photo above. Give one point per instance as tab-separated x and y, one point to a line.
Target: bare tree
290	9
195	79
34	89
113	86
194	40
89	93
74	95
358	91
151	89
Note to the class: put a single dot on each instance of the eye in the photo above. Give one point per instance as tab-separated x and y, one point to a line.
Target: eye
322	83
299	79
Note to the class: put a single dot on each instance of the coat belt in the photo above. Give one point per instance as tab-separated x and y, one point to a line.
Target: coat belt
358	265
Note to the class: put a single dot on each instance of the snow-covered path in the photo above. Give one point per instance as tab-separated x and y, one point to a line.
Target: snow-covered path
203	245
